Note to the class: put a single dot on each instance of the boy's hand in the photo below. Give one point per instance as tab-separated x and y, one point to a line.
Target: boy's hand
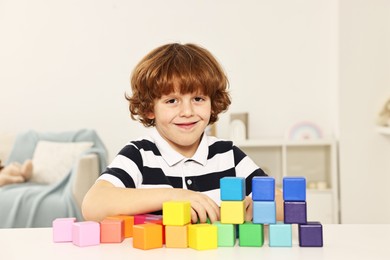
202	207
248	203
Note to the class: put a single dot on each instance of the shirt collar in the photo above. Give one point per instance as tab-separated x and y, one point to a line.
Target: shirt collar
173	157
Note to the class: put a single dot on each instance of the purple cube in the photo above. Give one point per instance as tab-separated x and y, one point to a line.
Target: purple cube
310	234
295	212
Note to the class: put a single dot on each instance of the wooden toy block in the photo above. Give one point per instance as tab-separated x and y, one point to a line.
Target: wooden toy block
112	231
263	189
310	234
176	236
147	236
280	235
176	213
232	212
139	219
226	234
128	224
294	189
264	212
86	233
62	229
295	212
232	188
251	234
202	236
158	221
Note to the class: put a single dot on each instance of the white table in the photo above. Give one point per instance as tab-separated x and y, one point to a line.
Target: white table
340	242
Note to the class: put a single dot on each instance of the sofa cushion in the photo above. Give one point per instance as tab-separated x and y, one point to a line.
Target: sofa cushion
52	161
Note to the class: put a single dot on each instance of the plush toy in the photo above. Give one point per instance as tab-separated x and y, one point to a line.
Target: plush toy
384	115
15	172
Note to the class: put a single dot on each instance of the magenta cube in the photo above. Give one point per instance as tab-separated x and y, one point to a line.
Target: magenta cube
62	229
310	234
139	219
295	212
86	233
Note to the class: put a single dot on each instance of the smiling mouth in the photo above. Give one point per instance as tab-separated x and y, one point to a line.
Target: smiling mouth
186	125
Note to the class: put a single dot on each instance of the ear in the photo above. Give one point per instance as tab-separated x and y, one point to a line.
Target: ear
150	115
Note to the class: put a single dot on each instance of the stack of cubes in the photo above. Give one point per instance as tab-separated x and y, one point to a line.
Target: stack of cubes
264	211
180	233
233	193
295	212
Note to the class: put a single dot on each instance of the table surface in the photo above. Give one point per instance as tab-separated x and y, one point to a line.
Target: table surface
340	242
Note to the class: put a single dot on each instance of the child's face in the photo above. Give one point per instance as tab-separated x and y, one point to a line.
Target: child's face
181	120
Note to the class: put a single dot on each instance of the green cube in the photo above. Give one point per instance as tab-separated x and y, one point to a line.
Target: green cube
251	235
280	235
226	234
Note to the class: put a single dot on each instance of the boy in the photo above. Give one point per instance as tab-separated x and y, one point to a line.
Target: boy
178	90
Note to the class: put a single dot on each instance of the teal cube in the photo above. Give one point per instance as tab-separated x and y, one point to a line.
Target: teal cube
251	234
280	235
226	234
232	188
264	212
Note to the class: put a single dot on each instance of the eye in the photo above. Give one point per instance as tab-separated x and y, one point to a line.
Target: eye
171	101
199	99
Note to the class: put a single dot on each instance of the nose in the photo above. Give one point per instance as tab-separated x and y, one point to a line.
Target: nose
186	109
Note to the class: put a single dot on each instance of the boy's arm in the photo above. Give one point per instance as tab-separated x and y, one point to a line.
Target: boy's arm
104	199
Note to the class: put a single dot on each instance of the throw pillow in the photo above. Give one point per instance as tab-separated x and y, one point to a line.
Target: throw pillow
52	161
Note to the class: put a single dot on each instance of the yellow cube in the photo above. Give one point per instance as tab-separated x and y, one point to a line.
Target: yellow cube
176	213
232	212
202	236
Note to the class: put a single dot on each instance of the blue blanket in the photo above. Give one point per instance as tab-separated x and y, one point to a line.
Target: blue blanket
37	205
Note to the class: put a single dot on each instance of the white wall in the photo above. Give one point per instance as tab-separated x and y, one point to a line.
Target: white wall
65	65
364	87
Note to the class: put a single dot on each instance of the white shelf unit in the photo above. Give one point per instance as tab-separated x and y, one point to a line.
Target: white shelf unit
316	160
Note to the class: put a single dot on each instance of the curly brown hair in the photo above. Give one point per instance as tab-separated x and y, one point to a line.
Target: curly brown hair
188	67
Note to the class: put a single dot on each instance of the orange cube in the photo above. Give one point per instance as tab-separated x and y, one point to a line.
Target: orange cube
147	236
128	223
112	231
176	236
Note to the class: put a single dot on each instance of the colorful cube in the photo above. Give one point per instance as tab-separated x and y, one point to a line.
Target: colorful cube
263	188
294	189
202	236
86	233
310	234
280	235
232	188
112	231
226	234
176	236
295	212
176	213
251	234
264	212
232	212
128	224
139	219
147	236
62	229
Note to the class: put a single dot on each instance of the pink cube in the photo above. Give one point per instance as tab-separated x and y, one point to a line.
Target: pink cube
86	233
62	229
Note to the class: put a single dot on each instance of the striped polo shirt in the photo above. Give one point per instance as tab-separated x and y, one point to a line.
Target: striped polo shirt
150	162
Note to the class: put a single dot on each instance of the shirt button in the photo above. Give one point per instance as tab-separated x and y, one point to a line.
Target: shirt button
189	182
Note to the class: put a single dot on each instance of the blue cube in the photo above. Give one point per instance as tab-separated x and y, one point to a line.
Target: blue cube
280	235
264	212
232	188
263	188
294	189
